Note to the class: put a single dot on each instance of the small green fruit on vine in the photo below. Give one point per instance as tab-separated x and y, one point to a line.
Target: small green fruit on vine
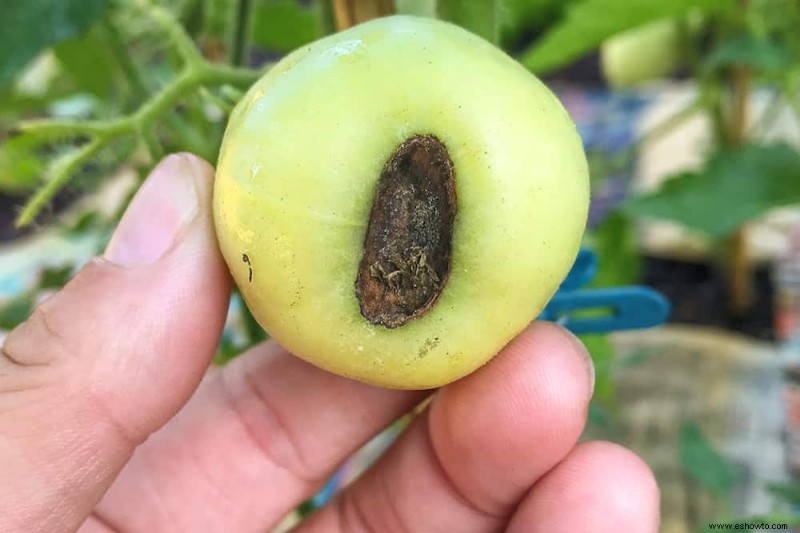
647	53
398	201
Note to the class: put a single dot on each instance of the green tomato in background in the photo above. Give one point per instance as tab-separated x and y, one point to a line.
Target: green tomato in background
397	201
643	54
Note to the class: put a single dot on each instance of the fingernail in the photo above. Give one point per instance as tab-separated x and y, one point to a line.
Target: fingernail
587	358
165	203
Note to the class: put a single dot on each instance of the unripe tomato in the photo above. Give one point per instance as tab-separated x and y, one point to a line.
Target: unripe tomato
650	52
399	200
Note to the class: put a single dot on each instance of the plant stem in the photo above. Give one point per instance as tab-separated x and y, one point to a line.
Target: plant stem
102	133
740	87
348	13
46	129
669	123
239	55
126	64
183	42
740	269
62	171
169	95
220	103
196	74
150	139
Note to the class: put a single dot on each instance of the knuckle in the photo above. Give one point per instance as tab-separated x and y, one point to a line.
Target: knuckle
36	342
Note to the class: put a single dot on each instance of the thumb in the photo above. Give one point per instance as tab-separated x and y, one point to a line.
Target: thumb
108	360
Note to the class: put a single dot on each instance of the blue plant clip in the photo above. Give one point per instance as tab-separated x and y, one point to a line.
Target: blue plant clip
582	272
603	310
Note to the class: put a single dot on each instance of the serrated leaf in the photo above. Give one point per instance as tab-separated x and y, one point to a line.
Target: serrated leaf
283	25
481	17
589	22
704	463
30	26
89	62
735	187
748	50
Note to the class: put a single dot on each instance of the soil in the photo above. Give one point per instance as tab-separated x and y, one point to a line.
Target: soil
9	207
699	295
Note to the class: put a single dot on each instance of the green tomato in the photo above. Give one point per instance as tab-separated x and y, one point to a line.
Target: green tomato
650	52
397	201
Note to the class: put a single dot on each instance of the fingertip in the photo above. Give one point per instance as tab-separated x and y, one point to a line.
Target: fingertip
600	486
549	337
521	414
201	170
544	360
608	460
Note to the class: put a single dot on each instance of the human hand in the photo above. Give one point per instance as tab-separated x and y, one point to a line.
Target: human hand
96	432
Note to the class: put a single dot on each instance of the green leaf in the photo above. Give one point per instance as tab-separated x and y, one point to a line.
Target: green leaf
757	53
602	352
15	311
703	462
481	17
283	25
89	62
735	186
589	22
614	241
599	415
418	8
55	277
85	222
30	26
787	491
21	167
521	17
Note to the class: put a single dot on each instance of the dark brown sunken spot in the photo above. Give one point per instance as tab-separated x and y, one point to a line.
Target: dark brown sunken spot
407	250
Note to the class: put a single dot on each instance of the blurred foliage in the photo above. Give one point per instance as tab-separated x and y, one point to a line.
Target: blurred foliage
760	53
283	25
30	26
788	491
588	23
614	241
20	166
602	352
701	460
19	308
734	186
482	18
